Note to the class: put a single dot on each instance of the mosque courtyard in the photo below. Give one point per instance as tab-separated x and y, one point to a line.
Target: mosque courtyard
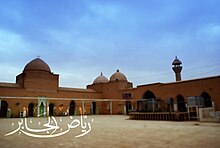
106	131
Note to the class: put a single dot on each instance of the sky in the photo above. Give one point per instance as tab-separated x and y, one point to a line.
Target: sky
79	39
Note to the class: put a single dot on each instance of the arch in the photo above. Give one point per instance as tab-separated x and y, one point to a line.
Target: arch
180	103
72	108
31	110
148	104
207	99
148	95
51	109
4	108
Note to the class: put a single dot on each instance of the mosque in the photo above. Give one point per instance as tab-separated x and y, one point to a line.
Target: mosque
36	92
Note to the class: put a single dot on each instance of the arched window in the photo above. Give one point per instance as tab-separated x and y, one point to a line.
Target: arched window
207	99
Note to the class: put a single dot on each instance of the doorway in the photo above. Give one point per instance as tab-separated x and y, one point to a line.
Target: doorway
93	108
31	110
4	108
181	103
72	108
51	109
128	106
42	111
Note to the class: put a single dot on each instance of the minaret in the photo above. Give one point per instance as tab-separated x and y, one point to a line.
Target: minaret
177	68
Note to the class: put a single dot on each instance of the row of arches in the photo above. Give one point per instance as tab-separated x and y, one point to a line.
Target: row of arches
31	106
148	103
51	109
151	103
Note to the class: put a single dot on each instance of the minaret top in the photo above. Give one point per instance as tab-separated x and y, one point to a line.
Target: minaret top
177	68
176	62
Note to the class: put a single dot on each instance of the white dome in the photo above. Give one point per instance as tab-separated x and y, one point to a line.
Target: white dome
100	79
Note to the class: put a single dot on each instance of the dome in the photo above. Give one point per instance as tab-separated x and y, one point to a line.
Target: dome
176	62
37	64
100	79
118	76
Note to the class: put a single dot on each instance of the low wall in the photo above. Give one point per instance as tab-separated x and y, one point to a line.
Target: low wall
209	115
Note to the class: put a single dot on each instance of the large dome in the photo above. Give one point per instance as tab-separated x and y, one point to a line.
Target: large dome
100	79
118	76
37	64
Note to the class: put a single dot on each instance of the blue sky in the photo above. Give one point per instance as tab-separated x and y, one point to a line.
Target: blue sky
79	39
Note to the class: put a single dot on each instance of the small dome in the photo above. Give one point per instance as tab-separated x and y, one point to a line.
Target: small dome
100	79
37	64
176	62
118	76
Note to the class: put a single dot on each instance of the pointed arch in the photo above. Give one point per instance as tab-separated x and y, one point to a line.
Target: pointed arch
148	102
207	99
148	95
180	103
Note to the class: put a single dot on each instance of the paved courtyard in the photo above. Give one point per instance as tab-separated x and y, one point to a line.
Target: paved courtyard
109	131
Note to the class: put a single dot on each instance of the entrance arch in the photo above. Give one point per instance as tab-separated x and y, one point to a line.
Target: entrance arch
148	95
4	108
72	108
51	110
148	102
180	103
31	110
207	99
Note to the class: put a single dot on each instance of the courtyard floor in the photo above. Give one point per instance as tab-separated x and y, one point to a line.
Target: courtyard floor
109	131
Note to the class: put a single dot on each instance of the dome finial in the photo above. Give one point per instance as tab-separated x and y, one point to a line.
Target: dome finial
118	76
100	79
176	61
